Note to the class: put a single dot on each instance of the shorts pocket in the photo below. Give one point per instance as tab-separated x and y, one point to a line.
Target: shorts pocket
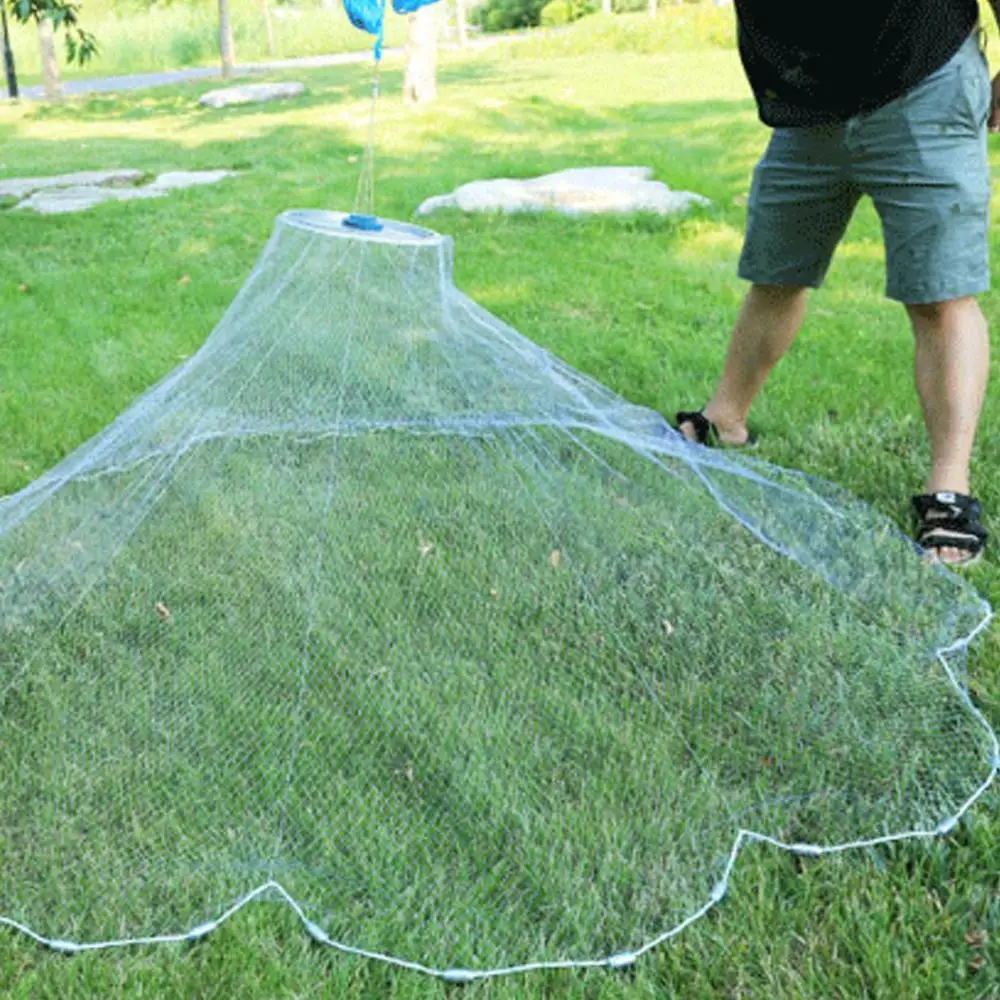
975	90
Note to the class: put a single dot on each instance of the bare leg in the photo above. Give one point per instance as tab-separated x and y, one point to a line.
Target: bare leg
952	367
767	325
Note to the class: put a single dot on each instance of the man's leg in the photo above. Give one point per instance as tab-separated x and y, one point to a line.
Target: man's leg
923	159
952	366
767	325
799	207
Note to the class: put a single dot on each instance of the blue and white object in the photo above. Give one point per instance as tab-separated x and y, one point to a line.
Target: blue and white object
369	15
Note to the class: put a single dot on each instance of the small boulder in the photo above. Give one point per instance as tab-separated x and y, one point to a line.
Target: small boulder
580	191
251	93
21	187
61	201
54	196
176	180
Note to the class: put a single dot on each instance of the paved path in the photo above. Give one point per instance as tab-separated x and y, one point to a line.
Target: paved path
140	81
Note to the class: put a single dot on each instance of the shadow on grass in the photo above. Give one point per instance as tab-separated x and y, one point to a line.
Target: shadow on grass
458	141
332	85
182	100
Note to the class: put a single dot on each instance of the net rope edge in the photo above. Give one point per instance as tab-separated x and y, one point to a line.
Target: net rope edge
603	422
618	960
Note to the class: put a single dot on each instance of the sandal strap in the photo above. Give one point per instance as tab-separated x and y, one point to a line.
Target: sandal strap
945	504
703	428
950	521
946	540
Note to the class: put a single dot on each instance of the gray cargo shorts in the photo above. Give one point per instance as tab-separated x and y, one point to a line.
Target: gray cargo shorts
923	161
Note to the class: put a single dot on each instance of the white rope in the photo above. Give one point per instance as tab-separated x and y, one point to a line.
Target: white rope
619	960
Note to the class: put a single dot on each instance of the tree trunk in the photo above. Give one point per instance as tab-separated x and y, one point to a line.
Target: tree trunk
226	48
420	75
460	23
8	55
50	61
606	7
266	7
652	8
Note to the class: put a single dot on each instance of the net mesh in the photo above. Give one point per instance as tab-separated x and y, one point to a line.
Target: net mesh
376	607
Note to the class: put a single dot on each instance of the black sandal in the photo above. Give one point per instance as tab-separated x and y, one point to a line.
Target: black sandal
706	433
951	521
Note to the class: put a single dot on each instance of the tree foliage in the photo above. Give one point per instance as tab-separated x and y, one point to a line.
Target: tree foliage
81	45
509	15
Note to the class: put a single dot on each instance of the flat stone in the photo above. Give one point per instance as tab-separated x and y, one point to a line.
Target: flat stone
61	201
579	191
251	93
178	179
50	198
21	187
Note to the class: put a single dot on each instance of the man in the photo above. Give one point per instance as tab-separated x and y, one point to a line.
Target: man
890	99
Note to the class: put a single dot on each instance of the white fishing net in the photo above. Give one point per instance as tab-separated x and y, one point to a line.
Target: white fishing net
375	607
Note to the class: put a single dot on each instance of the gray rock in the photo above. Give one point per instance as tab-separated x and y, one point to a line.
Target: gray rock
251	93
21	187
59	195
177	179
61	201
579	191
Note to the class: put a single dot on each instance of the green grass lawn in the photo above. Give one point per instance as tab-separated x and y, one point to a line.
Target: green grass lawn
96	307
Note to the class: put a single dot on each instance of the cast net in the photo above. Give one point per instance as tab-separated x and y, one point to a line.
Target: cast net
376	607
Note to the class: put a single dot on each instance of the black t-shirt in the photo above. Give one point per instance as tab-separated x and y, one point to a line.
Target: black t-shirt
812	62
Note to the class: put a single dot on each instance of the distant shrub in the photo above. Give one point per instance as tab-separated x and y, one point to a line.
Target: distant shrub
556	13
559	12
692	27
188	48
689	25
508	15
